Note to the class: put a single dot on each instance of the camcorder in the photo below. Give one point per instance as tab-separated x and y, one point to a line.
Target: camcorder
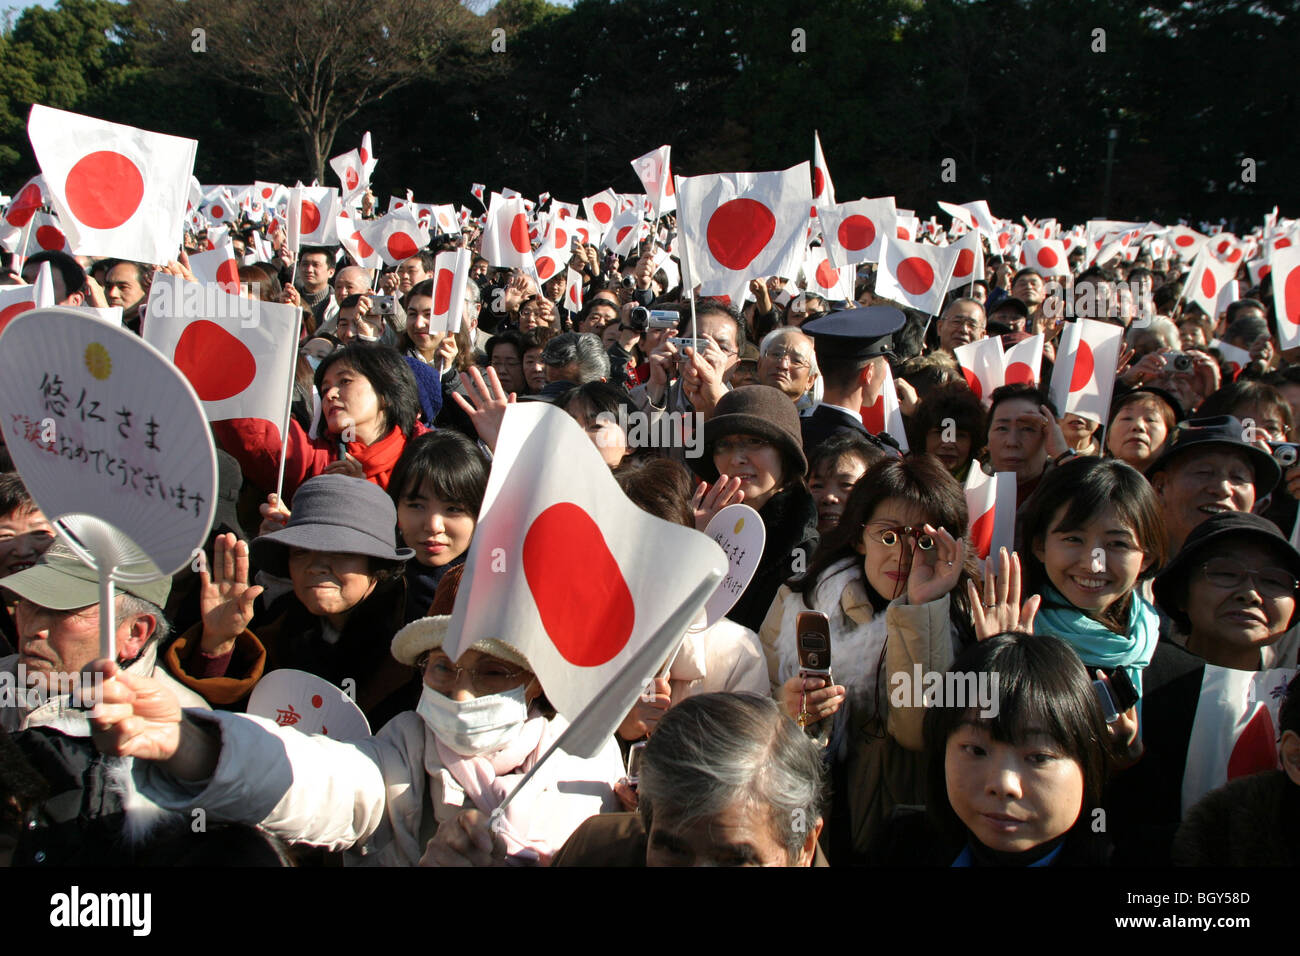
641	318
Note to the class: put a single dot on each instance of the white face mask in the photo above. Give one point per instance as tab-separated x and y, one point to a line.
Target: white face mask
478	726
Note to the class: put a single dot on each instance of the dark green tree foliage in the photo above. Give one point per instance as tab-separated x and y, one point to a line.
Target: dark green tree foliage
1010	90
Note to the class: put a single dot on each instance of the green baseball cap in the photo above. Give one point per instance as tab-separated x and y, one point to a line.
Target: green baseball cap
61	581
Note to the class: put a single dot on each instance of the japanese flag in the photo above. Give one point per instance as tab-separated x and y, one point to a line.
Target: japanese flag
396	236
1286	295
479	191
886	415
1084	375
218	266
1023	361
270	194
915	274
1044	256
852	231
595	639
239	368
318	213
601	208
1227	248
14	301
969	264
822	187
367	154
738	226
505	237
20	211
44	235
1235	730
623	233
1208	276
351	173
655	174
991	502
442	217
564	210
573	291
450	275
118	191
581	228
553	253
982	365
824	279
354	243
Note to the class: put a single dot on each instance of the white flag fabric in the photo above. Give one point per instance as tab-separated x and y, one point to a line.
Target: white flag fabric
822	187
354	243
826	280
1234	733
969	264
351	173
118	191
505	238
1084	375
656	175
367	153
573	291
1044	256
239	354
914	273
959	214
593	639
991	502
1285	265
601	208
217	266
623	232
886	415
396	236
982	365
739	226
1207	277
318	213
44	235
14	301
852	232
450	275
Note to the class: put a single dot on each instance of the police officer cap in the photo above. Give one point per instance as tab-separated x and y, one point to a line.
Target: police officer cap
856	333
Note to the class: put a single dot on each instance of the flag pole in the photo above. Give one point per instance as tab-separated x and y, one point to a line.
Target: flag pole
288	409
645	660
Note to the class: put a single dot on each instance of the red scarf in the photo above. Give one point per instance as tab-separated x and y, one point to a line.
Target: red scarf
379	459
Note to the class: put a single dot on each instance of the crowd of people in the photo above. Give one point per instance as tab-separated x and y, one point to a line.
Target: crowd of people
1153	554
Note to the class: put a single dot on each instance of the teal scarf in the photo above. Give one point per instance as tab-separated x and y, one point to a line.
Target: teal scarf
1097	644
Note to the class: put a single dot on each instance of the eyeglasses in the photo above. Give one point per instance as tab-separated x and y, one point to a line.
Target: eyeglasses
1270	582
796	359
489	677
725	446
889	537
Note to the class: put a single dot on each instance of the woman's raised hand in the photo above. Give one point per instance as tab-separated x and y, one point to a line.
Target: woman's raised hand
708	500
929	582
225	596
486	405
999	609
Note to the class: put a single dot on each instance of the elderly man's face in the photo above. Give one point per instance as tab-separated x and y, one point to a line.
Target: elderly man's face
66	642
741	835
1200	483
599	317
350	281
961	324
787	364
122	286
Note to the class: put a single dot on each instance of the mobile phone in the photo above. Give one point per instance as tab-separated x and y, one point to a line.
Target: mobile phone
635	754
700	345
343	450
813	642
1118	697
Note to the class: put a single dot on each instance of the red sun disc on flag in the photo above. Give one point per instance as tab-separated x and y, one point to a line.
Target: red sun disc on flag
401	246
621	235
24	206
351	179
1047	258
519	233
902	232
564	214
546	267
1018	372
12	312
1222	247
981	533
48	237
1209	286
310	219
365	156
219	213
738	231
856	233
589	617
560	239
442	292
267	192
1236	254
104	189
573	294
915	275
365	249
1291	295
214	381
965	263
1003	239
1282	243
602	212
228	276
1183	240
973	381
1083	368
819	182
827	275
